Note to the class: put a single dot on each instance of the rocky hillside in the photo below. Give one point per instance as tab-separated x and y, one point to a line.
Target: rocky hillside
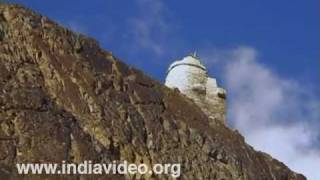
62	97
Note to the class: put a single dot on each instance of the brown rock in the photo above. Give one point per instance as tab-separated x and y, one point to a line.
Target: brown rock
64	98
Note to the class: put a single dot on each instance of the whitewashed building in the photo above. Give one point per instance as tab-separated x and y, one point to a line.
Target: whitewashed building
190	76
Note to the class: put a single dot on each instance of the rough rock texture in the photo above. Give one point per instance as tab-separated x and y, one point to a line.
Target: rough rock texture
64	98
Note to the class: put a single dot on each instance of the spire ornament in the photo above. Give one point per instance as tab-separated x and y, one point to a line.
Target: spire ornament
194	55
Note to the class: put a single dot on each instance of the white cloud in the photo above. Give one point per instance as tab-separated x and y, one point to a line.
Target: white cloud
276	115
149	27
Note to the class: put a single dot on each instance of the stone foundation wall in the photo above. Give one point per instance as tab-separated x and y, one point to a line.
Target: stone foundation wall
213	105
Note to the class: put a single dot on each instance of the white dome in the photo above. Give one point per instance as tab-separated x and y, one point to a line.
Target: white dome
189	61
188	75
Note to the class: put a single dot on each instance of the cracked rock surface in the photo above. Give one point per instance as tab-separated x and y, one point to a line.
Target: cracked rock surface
62	97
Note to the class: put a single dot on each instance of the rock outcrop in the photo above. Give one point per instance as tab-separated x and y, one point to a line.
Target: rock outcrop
64	98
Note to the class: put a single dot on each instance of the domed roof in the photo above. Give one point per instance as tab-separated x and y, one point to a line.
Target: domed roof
190	60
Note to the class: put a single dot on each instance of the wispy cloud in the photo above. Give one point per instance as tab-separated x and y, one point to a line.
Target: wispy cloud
149	29
277	115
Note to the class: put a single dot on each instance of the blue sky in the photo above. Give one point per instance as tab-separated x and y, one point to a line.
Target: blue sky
285	32
266	53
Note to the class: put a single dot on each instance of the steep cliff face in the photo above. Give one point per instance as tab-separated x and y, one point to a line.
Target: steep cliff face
64	98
